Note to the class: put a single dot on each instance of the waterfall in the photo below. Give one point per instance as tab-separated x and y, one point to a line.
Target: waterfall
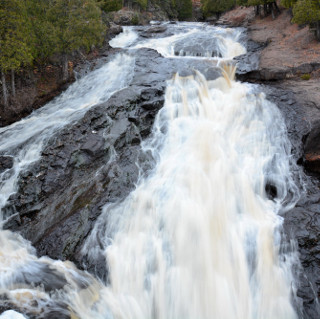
201	236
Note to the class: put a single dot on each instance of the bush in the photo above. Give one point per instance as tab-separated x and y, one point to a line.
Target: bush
305	77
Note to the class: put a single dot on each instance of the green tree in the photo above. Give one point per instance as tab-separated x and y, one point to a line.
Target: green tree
43	39
110	5
14	38
184	9
77	25
210	7
308	11
288	3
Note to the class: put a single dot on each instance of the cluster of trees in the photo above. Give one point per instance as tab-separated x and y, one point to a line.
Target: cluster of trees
32	30
181	9
268	6
305	11
212	7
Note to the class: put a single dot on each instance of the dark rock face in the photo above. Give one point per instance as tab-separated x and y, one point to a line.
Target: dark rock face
312	149
91	163
6	162
82	168
249	62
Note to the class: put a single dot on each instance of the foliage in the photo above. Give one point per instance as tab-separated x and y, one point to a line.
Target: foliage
142	3
14	35
210	7
184	9
43	41
242	2
306	11
32	30
110	5
135	20
77	24
288	3
305	77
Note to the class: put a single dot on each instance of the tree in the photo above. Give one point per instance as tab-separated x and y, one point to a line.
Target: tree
110	5
288	3
78	25
184	9
43	40
308	11
269	6
14	38
210	7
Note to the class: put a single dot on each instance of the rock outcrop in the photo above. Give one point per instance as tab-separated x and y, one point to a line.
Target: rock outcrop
91	163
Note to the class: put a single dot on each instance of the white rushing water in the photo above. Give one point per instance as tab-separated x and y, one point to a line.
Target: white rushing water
25	139
199	238
189	39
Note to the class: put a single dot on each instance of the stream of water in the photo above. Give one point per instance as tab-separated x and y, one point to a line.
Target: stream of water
200	237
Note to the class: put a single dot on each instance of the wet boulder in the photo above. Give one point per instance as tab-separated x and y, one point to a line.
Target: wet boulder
152	31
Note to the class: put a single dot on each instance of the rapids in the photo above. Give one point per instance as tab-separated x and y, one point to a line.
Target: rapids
200	237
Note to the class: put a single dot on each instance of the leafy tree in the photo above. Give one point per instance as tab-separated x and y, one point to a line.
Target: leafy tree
308	11
111	5
44	39
210	7
77	25
14	36
184	9
288	3
141	3
242	2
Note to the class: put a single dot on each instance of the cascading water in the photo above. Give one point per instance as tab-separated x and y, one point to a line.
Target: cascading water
199	237
25	139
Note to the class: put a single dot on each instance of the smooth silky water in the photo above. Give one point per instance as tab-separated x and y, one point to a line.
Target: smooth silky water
199	237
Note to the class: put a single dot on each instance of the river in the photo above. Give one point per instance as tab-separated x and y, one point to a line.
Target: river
200	236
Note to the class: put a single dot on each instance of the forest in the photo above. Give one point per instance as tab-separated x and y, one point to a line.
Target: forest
31	31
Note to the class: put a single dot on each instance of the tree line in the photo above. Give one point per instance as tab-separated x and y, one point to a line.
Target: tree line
181	9
33	30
